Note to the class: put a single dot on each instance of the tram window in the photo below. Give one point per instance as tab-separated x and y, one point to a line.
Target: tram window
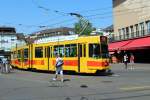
38	52
25	53
14	55
104	50
48	52
51	54
45	52
84	48
59	50
19	54
71	50
94	50
80	48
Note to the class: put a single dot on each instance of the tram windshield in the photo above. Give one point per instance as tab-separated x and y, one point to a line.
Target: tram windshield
98	50
104	51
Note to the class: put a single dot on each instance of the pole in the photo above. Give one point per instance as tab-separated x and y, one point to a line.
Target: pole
83	19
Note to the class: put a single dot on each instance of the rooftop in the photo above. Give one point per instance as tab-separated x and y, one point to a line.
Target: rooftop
4	29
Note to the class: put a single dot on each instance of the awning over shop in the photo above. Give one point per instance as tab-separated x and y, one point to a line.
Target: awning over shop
117	45
140	43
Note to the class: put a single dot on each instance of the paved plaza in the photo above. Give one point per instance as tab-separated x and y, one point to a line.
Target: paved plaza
122	85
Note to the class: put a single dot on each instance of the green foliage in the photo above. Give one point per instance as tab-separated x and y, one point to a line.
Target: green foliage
79	26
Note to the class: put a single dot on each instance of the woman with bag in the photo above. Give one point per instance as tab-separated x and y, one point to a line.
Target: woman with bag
59	69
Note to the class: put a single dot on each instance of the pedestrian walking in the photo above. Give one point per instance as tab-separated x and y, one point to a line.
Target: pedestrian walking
59	67
132	61
6	66
1	65
125	59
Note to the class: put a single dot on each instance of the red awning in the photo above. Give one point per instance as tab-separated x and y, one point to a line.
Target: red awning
117	45
140	43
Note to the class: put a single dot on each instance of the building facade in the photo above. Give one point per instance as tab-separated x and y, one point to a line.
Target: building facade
52	32
131	18
8	39
132	29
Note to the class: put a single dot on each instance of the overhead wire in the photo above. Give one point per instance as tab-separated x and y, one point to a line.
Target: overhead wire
93	16
117	11
98	15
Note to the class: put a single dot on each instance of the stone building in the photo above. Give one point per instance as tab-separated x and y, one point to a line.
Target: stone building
132	29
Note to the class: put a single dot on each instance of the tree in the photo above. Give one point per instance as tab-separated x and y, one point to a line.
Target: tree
83	27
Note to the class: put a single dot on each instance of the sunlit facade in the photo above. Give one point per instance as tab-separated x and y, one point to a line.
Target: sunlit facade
8	39
131	18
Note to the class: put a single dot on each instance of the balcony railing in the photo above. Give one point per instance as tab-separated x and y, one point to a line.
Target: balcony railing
132	35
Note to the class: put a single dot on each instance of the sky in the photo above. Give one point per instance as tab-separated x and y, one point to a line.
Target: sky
29	16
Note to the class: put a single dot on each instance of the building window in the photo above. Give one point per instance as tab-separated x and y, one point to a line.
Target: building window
142	28
132	31
127	32
137	30
119	34
148	27
124	32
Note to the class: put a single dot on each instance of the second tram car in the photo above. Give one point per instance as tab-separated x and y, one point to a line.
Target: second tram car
82	55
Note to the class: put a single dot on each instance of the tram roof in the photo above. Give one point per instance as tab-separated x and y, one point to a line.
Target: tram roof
61	38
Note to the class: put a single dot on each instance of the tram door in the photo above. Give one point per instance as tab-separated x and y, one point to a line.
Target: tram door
81	57
20	58
25	58
30	56
49	57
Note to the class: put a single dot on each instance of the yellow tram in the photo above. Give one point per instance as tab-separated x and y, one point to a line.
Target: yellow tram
84	54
